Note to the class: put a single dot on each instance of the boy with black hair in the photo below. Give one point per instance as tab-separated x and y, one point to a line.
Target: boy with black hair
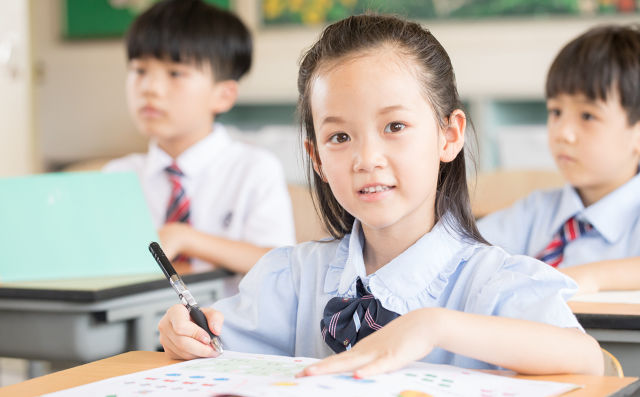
212	199
590	229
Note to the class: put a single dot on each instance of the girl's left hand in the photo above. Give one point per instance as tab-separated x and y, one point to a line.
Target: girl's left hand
407	338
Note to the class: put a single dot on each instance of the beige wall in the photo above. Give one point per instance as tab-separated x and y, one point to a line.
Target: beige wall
17	141
80	95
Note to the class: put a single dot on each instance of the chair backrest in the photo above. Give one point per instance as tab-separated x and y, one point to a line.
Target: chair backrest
499	189
307	222
612	366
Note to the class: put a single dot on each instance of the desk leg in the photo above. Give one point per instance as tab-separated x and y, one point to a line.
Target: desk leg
143	327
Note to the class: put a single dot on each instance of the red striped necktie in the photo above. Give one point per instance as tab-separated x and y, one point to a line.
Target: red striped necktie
571	230
178	209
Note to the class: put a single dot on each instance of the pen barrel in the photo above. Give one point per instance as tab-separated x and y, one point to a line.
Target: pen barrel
199	318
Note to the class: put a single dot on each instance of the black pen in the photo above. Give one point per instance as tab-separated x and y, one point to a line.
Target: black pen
185	296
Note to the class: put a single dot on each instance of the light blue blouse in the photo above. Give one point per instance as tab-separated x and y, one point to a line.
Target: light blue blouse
528	226
281	300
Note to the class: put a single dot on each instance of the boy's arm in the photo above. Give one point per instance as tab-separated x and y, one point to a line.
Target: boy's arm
524	346
613	274
237	256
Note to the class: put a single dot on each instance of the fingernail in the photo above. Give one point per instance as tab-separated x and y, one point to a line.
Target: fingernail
205	339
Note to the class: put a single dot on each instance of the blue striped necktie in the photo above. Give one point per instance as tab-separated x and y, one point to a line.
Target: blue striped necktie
553	254
347	320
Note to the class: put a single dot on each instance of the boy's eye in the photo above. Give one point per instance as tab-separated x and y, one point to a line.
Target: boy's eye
339	137
394	126
586	116
175	73
140	71
553	112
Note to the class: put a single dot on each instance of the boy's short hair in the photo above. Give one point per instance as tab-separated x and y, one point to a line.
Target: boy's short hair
603	60
192	31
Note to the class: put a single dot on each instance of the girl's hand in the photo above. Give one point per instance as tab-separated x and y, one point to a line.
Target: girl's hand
172	238
403	340
182	338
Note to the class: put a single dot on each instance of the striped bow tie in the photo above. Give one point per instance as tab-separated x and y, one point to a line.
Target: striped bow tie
348	320
571	230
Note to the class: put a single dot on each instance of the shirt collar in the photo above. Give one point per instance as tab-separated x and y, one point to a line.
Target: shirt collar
607	215
424	266
193	160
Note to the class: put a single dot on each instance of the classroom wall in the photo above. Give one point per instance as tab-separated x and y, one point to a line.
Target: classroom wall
17	140
80	91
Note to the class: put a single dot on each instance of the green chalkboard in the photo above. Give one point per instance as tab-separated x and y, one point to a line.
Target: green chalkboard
309	12
106	18
74	225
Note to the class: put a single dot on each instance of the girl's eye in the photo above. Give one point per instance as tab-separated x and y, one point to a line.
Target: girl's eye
175	73
139	71
339	137
586	116
395	126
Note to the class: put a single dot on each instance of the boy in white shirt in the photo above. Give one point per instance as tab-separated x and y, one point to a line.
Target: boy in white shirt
212	199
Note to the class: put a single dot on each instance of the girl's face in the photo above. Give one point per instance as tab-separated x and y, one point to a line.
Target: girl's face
378	142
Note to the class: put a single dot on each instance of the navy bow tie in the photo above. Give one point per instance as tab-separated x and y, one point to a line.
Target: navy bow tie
347	320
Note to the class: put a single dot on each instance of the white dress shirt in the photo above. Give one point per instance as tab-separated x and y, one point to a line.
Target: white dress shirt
237	191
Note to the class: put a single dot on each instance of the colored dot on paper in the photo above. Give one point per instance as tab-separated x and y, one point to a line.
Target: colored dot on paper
196	376
413	393
221	379
173	374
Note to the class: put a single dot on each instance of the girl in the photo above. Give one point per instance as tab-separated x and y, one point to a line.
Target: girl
385	137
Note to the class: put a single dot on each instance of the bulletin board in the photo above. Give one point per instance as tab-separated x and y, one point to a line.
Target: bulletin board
310	12
90	19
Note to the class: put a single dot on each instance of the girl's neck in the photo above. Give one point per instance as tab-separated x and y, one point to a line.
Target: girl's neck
383	245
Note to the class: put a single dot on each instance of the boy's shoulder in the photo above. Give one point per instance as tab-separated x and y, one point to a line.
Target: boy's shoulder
130	162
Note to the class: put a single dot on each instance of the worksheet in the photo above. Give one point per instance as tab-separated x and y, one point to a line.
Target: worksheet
236	374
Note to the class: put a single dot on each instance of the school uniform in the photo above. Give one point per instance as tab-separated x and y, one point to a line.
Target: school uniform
236	191
527	227
281	300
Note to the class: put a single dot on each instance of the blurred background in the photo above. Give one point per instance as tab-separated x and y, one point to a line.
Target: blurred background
62	72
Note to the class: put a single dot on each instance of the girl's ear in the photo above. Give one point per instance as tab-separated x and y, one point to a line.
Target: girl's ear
224	96
452	136
317	165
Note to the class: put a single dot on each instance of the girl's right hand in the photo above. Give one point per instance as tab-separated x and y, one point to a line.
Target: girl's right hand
182	338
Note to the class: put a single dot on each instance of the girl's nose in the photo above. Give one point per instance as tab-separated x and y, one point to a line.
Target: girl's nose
369	155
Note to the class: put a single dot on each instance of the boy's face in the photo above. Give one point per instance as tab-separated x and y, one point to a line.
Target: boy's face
592	143
172	102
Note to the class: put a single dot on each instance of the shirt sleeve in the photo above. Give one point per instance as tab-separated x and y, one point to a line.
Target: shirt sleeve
269	221
527	289
510	228
261	318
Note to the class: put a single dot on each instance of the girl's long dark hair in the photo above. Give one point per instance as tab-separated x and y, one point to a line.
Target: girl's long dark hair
355	35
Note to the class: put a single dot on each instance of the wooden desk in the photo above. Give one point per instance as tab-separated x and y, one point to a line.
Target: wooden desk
140	360
90	319
616	326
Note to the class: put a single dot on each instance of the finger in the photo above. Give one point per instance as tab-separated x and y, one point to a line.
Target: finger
343	362
187	346
378	366
173	351
215	319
